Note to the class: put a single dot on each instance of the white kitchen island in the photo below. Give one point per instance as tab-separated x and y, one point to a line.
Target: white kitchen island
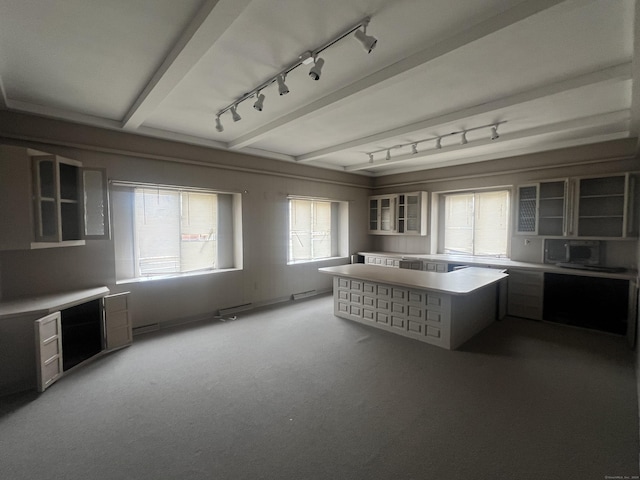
443	309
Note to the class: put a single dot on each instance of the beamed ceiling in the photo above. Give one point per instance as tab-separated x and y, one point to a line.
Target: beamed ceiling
551	73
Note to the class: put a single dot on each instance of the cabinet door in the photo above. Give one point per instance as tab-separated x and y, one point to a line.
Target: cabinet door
552	208
602	206
382	214
95	204
47	199
411	213
48	334
526	217
117	321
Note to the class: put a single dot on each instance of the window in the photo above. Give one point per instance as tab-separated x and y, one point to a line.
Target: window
315	227
169	231
475	223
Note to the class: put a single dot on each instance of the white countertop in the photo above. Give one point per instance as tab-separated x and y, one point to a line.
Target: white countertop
458	282
45	304
503	263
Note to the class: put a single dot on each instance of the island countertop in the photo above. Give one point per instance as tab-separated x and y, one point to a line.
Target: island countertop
457	282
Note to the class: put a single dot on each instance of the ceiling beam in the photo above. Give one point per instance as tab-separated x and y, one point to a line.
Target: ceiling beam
396	71
575	124
211	21
634	129
613	73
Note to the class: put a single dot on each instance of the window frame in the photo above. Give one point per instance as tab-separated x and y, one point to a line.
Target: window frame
229	208
441	218
339	229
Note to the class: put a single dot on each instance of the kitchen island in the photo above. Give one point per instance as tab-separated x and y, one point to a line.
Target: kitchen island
443	309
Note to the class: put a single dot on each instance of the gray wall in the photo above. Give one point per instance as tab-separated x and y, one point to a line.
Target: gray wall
264	184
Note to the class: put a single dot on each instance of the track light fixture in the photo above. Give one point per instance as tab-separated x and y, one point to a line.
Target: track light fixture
282	87
306	58
235	115
438	140
494	133
316	70
259	102
367	41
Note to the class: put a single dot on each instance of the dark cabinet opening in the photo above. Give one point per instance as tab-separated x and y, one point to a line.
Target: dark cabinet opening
81	332
588	302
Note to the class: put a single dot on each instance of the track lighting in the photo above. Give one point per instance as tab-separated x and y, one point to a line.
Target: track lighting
235	115
438	140
367	41
494	132
306	58
259	102
282	87
316	70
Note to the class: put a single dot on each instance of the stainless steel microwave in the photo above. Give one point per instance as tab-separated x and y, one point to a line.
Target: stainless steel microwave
579	252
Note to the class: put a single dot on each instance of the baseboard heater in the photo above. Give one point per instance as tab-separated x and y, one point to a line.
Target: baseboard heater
225	312
308	293
146	328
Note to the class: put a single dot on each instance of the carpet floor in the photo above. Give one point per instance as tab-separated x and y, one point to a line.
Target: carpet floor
292	392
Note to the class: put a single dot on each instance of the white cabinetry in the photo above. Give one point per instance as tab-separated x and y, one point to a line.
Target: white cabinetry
438	267
70	329
579	207
49	200
400	214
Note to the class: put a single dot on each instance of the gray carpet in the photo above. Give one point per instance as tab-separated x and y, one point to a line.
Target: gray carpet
295	393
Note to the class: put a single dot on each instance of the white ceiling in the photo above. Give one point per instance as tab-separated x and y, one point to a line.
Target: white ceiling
557	73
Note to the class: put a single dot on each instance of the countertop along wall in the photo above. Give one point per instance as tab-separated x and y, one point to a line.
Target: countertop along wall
264	184
601	159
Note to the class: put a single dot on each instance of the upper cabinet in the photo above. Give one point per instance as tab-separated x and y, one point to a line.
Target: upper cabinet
580	207
399	214
49	200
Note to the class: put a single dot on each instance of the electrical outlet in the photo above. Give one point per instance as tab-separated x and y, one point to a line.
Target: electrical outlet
527	241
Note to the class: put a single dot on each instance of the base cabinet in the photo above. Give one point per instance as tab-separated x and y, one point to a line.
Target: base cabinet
525	294
74	329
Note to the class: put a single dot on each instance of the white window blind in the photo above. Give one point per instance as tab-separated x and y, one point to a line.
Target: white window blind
476	223
310	229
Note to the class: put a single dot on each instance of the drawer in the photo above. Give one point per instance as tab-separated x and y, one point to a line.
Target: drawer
415	327
432	331
378	261
388	262
433	316
356	298
368	314
398	308
355	310
356	285
343	283
368	288
431	267
382	318
416	313
343	307
434	301
368	301
441	267
399	293
343	295
398	322
383	304
417	297
383	291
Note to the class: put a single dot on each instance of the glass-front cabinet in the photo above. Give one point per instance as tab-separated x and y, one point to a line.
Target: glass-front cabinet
579	207
50	200
400	214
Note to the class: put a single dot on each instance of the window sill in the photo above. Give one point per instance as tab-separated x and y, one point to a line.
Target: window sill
174	276
328	259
